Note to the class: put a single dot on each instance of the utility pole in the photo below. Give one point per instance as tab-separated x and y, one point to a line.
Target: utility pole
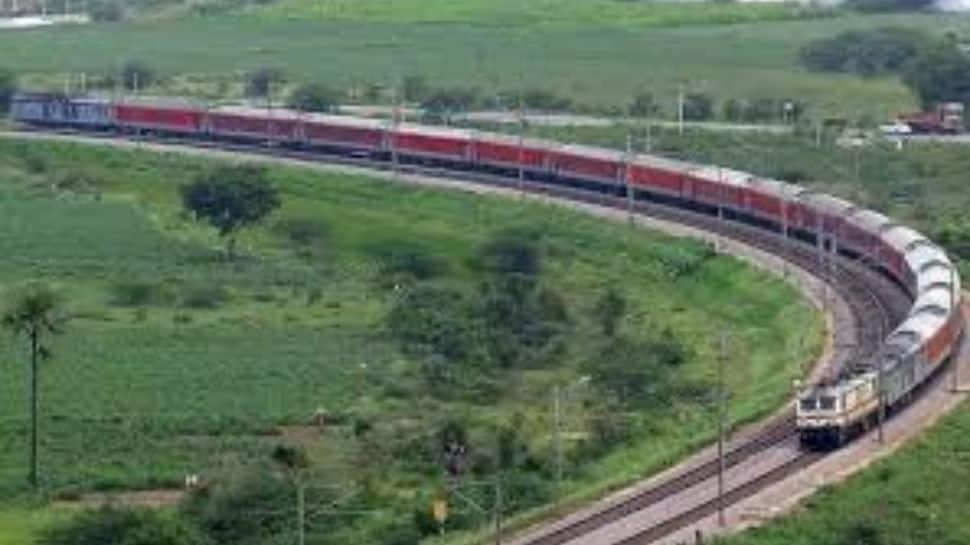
627	178
680	109
557	411
880	378
521	114
721	426
301	513
954	307
498	509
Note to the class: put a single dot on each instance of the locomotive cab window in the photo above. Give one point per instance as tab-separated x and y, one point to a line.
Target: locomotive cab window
826	403
808	404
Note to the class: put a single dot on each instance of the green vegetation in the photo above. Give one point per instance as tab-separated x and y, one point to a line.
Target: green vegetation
596	67
908	499
8	86
866	53
34	312
364	323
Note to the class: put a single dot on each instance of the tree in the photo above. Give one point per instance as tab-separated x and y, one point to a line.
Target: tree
698	107
941	73
34	312
415	88
259	83
644	105
231	198
137	75
313	97
114	526
8	87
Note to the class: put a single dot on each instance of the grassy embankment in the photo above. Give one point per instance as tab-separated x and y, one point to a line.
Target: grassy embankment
177	360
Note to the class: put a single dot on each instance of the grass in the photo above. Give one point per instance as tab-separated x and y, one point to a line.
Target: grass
20	525
137	396
907	499
510	12
599	65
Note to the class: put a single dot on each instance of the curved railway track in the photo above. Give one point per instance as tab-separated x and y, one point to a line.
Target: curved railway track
875	303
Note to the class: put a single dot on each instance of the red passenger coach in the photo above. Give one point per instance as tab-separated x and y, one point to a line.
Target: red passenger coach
251	123
579	162
433	143
183	120
363	134
658	179
496	151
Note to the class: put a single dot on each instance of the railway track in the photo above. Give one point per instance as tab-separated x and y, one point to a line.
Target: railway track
875	305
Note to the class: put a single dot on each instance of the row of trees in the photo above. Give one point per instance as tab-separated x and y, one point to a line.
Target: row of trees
935	69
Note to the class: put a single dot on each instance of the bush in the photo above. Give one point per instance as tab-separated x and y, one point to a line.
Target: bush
415	88
243	506
433	320
8	87
304	231
541	99
313	97
112	526
698	107
203	296
865	52
939	74
512	251
137	75
644	105
405	261
106	11
889	5
135	293
442	103
260	82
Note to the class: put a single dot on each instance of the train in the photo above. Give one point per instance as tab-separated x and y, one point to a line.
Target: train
827	413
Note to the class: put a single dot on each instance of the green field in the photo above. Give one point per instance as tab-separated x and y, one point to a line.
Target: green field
209	365
598	65
515	13
912	498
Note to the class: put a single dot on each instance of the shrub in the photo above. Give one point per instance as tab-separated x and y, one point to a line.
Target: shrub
304	231
137	75
402	260
432	319
134	293
203	296
313	97
512	251
106	11
243	506
698	107
259	83
541	99
112	526
865	52
644	105
8	87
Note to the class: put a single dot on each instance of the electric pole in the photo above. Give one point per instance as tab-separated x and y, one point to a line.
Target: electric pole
627	178
721	427
557	411
301	513
954	307
498	509
680	109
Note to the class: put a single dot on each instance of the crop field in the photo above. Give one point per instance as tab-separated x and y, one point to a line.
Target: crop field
514	13
178	361
598	66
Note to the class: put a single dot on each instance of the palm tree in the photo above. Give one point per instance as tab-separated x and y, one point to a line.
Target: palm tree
34	311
